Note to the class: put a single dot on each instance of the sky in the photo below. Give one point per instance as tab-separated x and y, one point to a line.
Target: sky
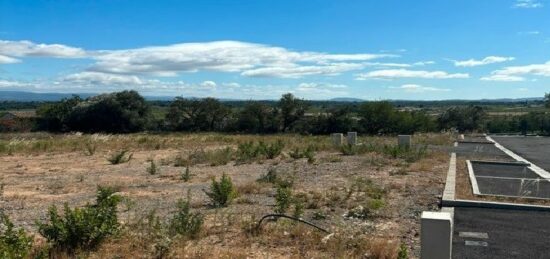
315	49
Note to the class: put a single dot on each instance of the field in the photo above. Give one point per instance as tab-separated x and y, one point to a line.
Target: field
370	196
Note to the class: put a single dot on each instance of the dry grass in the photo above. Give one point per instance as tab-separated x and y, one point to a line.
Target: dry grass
43	169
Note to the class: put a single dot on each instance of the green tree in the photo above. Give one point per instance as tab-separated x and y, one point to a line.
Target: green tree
257	117
547	100
206	114
292	110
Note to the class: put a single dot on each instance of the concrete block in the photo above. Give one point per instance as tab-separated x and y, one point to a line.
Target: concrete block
436	234
461	137
352	138
404	141
337	139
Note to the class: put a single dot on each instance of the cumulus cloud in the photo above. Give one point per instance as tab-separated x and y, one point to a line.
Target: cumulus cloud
527	4
485	61
12	84
414	88
97	78
227	56
503	78
8	60
208	84
30	49
404	73
517	73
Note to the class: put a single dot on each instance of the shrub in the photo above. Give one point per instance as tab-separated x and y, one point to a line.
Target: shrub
14	243
220	156
408	154
296	153
403	252
186	175
120	157
82	228
298	208
152	169
348	150
274	150
223	192
90	148
283	199
185	222
270	176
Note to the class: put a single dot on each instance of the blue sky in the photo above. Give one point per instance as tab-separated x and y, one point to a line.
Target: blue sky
390	49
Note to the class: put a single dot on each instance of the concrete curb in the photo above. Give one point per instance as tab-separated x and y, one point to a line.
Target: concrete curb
492	205
473	180
450	182
474	142
517	163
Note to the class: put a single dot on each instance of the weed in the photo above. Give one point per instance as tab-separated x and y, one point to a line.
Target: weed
90	148
283	199
152	169
319	215
408	154
120	157
14	243
185	222
82	228
223	192
274	150
298	208
270	176
403	252
296	153
186	175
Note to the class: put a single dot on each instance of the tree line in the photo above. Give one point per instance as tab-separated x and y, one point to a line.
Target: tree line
128	111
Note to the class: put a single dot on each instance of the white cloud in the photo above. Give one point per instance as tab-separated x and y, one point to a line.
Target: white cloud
414	88
227	56
8	60
297	71
529	33
97	78
208	84
485	61
424	63
30	49
517	73
503	78
527	4
404	73
12	84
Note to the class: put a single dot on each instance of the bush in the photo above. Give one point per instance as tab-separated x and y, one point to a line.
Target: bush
274	150
270	176
82	228
185	222
283	199
223	192
14	243
186	175
152	169
403	252
120	157
408	154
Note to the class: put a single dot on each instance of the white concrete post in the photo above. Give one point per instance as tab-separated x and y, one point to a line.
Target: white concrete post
461	137
352	138
337	139
404	141
436	235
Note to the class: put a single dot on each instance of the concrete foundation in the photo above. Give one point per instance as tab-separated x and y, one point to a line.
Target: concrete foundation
337	139
404	141
436	235
352	138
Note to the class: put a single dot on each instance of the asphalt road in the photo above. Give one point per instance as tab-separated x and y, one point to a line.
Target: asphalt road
534	149
511	233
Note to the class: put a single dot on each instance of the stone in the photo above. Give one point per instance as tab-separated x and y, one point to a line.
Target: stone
436	234
352	138
337	139
404	141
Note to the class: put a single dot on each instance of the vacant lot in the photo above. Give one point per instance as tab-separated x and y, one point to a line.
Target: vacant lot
370	198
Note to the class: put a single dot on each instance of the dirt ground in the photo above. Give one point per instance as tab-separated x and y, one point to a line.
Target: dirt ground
35	177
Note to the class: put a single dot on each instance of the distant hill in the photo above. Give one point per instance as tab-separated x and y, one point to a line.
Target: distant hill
346	99
22	96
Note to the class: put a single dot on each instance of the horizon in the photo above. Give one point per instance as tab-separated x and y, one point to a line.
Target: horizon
316	50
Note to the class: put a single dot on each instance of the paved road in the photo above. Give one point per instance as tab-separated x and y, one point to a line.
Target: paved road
511	233
534	149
